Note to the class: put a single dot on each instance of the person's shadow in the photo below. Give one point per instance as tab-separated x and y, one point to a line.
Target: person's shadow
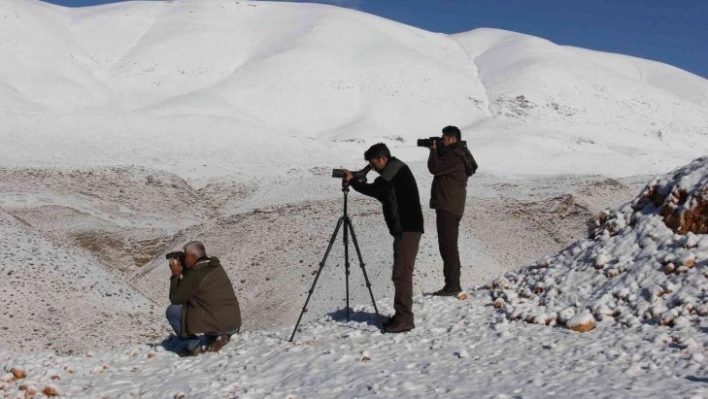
358	317
697	379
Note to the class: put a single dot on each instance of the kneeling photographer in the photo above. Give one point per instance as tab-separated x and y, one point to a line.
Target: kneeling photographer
397	191
452	164
203	301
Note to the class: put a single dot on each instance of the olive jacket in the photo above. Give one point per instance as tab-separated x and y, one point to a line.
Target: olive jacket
209	304
452	166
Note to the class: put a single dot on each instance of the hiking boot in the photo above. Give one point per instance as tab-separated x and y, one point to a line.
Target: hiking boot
388	323
399	328
446	292
218	343
186	352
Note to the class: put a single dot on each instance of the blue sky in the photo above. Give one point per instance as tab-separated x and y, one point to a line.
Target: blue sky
674	32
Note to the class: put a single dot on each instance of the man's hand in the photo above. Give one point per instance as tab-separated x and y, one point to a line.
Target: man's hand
175	267
434	146
348	176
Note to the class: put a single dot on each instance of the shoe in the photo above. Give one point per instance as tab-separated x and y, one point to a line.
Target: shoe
399	328
218	343
445	292
388	323
191	352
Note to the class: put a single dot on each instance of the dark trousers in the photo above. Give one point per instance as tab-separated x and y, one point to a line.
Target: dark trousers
174	317
191	341
448	232
405	250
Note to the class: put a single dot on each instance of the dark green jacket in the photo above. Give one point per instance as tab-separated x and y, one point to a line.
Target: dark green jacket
451	166
209	304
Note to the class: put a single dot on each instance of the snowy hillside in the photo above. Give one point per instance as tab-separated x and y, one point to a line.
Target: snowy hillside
647	262
126	82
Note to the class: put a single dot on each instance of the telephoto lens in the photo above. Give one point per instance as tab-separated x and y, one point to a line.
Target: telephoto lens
429	142
358	175
175	255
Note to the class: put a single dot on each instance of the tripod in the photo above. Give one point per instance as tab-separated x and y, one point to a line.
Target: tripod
347	223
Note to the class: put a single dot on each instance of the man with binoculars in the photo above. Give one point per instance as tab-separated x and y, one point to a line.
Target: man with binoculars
203	301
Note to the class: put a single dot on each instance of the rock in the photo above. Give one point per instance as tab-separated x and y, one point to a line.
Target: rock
582	322
600	261
565	315
499	303
670	268
546	319
30	391
689	263
51	390
18	372
682	219
501	283
702	310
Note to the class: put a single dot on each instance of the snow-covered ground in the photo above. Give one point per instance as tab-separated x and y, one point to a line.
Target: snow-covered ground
129	129
459	349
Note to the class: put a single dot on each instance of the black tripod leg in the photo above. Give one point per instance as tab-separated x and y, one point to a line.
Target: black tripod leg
346	261
348	223
317	277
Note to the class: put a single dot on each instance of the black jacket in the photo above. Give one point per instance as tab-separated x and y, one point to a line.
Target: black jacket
452	166
397	191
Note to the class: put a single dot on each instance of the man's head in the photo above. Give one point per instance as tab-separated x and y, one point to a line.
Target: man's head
377	156
193	251
451	135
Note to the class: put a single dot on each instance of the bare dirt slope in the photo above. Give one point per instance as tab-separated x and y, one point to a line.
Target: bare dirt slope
84	266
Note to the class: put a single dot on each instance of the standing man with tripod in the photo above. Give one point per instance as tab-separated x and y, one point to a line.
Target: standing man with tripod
397	191
451	164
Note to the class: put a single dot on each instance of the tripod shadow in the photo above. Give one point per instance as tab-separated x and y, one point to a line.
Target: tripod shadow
357	316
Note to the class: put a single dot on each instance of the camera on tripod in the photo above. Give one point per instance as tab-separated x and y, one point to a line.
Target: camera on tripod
429	142
179	255
360	175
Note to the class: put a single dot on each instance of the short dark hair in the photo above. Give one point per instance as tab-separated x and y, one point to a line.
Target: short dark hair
377	151
452	131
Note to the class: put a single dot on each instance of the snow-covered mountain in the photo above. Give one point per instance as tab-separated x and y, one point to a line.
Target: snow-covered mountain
310	76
